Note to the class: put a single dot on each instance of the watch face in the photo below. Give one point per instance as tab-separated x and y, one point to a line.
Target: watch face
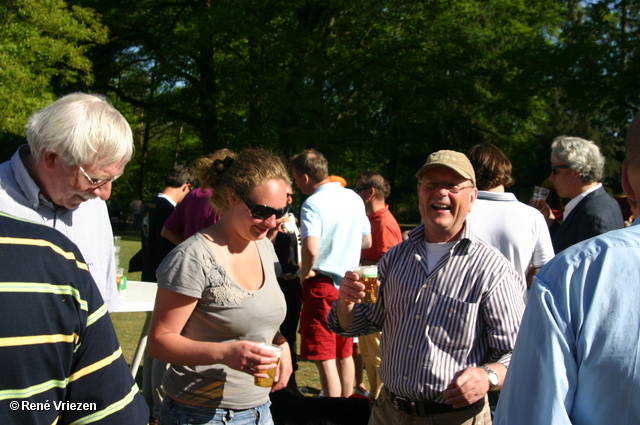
493	378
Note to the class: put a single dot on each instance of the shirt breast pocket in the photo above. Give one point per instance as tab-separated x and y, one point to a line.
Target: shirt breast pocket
451	324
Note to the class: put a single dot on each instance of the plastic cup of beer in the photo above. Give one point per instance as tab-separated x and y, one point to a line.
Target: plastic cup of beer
539	197
268	382
368	276
119	274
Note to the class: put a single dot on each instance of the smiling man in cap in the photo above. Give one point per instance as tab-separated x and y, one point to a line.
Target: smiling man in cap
449	308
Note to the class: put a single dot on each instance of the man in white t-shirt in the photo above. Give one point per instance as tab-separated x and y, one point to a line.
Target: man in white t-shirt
518	231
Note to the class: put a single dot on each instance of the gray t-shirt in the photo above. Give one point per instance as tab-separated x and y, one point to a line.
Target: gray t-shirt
225	312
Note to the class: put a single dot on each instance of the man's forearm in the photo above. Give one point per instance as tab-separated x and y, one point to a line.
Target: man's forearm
309	257
346	313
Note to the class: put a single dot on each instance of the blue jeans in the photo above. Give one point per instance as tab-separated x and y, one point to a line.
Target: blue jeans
174	413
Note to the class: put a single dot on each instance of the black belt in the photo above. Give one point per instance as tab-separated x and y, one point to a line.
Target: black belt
425	408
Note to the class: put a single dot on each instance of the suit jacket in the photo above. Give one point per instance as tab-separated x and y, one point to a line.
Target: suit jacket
597	213
154	246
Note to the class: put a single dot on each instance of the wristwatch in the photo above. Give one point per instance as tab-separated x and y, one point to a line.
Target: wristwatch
493	378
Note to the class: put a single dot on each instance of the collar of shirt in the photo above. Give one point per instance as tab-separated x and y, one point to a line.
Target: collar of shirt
416	236
379	212
162	195
327	186
497	196
575	201
25	181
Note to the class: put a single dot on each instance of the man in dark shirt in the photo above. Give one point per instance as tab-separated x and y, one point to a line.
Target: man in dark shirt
61	360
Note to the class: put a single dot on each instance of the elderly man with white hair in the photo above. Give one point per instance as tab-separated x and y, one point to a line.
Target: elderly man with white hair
77	147
576	360
577	167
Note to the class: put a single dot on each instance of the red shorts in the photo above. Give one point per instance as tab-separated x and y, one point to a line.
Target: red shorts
317	342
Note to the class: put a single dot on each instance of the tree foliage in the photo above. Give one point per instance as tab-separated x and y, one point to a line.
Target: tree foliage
373	84
43	46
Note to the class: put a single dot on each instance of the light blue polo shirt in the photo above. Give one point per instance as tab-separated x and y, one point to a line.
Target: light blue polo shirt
337	216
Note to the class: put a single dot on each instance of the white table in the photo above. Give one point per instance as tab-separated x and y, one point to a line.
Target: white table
139	296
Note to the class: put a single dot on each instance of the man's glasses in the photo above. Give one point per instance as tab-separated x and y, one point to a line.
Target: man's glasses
451	187
263	212
98	182
555	168
360	189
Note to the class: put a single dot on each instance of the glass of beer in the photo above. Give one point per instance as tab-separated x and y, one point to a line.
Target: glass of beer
539	197
368	276
268	382
119	274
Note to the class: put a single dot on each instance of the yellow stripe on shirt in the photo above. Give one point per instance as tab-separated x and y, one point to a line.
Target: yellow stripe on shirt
14	341
93	317
46	244
97	365
109	410
44	288
32	390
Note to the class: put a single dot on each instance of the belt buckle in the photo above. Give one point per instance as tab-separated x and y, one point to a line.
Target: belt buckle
408	404
398	398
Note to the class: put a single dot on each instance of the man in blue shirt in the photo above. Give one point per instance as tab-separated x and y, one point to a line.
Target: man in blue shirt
576	359
334	229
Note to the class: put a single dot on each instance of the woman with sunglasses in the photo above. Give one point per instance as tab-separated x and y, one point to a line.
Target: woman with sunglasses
218	299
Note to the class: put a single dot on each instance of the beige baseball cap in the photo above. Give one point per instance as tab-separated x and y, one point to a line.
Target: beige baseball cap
457	161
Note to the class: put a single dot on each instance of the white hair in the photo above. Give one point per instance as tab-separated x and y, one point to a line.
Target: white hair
82	129
583	156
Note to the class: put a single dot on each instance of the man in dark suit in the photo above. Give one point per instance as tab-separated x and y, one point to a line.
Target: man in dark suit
577	167
177	184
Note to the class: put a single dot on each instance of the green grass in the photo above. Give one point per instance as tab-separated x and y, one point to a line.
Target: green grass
129	325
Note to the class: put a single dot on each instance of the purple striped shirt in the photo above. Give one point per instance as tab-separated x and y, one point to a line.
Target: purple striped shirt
465	312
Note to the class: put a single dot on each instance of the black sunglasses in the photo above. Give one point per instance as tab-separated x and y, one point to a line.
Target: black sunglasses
263	212
554	169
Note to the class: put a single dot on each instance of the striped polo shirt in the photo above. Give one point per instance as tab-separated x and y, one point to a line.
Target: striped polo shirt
464	312
61	360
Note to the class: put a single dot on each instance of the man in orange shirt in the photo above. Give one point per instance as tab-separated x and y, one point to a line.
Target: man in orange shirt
385	233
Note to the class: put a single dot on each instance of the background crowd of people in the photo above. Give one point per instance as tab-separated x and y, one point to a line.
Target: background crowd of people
489	310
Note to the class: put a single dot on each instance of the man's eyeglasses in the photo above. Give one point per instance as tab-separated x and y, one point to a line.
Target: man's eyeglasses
360	189
555	168
263	212
451	187
98	182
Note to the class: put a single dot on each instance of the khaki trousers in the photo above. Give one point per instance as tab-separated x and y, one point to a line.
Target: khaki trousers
370	351
385	413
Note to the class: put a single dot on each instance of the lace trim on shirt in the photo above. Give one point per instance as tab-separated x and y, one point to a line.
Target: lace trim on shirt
220	290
